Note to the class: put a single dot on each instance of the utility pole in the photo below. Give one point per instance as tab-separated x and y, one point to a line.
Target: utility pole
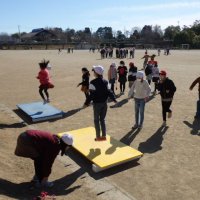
19	33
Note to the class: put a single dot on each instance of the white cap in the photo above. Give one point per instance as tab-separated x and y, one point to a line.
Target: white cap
98	69
140	74
67	139
113	64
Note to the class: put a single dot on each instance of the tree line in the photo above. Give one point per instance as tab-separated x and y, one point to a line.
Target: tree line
106	35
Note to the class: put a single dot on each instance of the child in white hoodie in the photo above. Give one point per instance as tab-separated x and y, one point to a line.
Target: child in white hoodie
140	90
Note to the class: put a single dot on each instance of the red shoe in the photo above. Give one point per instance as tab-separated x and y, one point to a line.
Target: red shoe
97	139
103	138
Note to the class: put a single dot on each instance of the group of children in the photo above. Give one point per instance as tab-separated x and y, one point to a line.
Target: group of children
99	90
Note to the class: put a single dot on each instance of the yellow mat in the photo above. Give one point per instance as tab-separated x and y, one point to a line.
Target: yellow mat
103	154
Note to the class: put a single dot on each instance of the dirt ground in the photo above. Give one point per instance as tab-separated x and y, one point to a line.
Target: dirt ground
170	167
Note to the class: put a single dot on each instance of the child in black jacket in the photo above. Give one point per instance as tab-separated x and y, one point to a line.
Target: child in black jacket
85	81
99	93
167	90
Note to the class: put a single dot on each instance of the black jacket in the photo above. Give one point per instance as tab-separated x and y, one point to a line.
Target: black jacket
85	79
167	89
130	76
99	91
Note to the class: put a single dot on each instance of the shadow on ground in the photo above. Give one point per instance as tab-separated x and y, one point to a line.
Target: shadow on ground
195	126
27	191
154	143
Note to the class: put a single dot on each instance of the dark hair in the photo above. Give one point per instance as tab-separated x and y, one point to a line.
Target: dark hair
84	69
131	64
43	64
122	62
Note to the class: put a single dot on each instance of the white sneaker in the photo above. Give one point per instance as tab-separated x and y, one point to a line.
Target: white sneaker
164	123
47	184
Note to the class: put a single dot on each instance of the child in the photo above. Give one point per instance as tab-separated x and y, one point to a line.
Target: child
99	93
112	76
155	75
85	81
141	91
167	89
197	81
132	74
146	58
44	79
122	71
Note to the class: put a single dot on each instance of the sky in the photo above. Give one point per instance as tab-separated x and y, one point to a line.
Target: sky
26	15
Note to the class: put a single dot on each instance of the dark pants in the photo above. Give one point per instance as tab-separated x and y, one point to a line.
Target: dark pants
112	83
100	110
38	168
166	108
122	86
45	91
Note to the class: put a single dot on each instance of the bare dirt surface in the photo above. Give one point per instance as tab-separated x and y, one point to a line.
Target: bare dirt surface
170	167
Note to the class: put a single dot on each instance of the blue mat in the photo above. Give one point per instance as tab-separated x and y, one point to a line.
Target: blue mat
38	111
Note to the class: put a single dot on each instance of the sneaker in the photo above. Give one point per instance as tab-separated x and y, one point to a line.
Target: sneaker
48	100
140	127
35	179
97	139
47	184
164	123
103	138
169	114
135	126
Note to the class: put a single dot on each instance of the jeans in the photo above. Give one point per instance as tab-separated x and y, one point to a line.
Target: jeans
139	111
166	108
100	110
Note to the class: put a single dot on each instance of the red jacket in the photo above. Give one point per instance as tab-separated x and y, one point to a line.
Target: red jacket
47	145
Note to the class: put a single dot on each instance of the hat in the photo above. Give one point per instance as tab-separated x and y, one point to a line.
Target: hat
67	139
98	69
140	74
113	64
163	73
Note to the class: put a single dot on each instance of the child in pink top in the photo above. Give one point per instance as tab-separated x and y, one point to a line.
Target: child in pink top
44	79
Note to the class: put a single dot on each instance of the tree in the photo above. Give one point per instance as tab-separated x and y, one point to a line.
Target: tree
120	35
147	33
104	33
171	31
181	38
196	27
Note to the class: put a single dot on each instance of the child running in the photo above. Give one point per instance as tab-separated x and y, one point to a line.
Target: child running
99	93
44	79
85	81
122	71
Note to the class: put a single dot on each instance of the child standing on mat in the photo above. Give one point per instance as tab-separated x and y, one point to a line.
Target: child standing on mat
44	79
85	81
99	93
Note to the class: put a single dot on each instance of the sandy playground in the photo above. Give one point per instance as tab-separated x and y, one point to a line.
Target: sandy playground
170	167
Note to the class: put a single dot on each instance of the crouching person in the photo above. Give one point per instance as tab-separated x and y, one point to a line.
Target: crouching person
42	147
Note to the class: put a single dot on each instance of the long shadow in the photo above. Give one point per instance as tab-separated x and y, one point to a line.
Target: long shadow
120	103
27	191
130	136
28	120
14	125
87	166
195	126
154	143
150	98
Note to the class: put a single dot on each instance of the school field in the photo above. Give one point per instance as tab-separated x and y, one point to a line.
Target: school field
170	167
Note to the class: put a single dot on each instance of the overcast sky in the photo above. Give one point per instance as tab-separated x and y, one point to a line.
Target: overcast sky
78	14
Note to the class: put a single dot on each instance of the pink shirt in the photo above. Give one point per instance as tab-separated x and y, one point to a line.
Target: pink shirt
43	76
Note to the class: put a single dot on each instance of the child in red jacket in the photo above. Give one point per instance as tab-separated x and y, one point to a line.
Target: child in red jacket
44	79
